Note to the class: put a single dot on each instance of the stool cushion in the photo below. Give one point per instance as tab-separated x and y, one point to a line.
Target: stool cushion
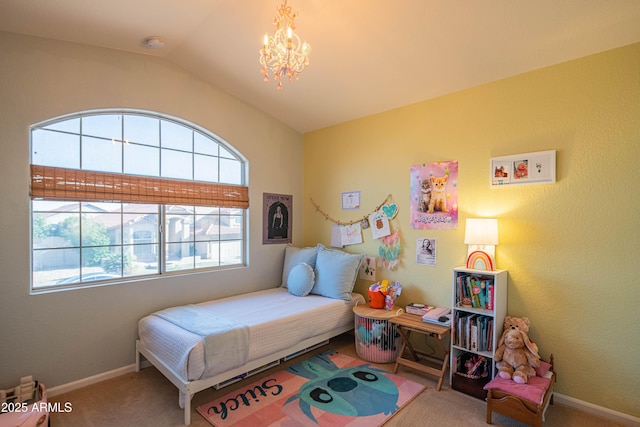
533	390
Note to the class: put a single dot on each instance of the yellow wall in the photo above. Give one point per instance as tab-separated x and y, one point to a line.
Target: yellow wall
570	248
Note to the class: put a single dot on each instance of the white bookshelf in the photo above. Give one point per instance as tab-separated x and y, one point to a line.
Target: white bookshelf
463	343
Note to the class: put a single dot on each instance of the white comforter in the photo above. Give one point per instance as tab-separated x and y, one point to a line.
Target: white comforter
226	342
276	319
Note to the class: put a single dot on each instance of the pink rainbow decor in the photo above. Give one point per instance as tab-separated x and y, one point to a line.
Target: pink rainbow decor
479	260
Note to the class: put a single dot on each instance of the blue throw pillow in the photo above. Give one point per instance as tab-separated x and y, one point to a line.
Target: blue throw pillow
294	256
336	273
301	279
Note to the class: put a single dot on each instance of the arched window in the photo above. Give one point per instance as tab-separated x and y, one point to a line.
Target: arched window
124	194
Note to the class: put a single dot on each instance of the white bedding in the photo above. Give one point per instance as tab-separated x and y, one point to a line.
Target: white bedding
276	320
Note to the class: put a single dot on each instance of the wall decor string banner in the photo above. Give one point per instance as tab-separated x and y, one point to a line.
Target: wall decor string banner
349	232
360	220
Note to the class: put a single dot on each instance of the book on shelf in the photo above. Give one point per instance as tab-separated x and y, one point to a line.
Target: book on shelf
474	336
490	290
482	294
467	332
470	290
476	290
473	332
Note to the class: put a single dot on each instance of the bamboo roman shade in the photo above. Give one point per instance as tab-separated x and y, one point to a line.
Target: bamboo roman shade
51	183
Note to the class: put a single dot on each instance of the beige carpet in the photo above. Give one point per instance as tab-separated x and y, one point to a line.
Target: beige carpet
146	398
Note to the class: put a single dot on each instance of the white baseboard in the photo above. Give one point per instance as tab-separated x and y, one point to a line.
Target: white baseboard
560	399
600	411
65	388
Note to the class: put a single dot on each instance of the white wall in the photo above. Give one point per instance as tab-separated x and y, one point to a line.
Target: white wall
65	336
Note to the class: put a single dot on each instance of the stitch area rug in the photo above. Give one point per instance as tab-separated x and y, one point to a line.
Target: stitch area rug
330	389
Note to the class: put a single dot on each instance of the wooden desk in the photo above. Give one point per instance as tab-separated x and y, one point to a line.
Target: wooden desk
408	323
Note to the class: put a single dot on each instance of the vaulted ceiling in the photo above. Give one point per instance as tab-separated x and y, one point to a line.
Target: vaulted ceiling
368	56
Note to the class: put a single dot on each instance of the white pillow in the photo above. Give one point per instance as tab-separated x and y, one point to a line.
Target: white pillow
294	256
336	273
301	279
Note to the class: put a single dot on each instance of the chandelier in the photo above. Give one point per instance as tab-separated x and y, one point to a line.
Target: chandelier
283	54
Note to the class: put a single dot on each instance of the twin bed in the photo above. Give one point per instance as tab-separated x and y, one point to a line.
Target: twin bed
212	343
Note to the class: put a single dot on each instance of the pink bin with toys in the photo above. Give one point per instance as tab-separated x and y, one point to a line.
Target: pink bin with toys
377	340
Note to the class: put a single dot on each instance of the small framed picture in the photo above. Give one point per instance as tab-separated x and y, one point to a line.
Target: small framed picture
426	251
528	168
277	215
351	200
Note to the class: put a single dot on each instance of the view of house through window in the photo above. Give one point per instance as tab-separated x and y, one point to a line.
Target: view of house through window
84	239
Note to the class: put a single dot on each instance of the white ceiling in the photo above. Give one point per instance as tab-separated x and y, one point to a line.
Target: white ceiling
368	56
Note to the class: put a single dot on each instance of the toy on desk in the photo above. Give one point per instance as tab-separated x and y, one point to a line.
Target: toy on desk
383	295
393	292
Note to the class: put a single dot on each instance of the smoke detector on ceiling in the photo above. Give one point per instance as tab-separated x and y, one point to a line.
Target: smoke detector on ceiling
154	42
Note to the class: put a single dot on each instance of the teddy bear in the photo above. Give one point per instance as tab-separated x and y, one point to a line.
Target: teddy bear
522	170
520	324
515	358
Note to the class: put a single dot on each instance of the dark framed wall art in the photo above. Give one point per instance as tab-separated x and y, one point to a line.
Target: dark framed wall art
277	214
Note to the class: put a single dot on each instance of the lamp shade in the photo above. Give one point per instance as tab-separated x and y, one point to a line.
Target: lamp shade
481	231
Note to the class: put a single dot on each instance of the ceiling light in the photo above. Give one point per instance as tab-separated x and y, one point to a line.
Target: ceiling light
154	42
283	54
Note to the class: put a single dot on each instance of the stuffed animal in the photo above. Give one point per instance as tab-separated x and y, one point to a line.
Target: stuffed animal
376	330
520	324
521	171
364	334
515	357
